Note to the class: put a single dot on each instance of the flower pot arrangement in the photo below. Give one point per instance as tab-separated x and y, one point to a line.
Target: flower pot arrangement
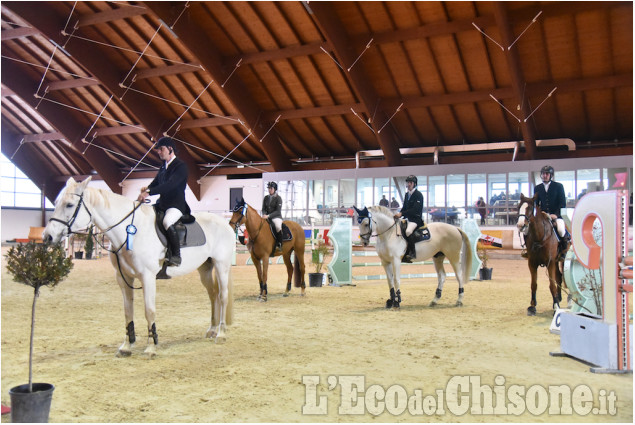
35	265
318	256
485	273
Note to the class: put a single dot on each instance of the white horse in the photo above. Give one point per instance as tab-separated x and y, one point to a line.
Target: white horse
78	206
445	241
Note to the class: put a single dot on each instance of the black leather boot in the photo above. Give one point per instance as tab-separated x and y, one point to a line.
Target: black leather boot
279	239
410	251
174	251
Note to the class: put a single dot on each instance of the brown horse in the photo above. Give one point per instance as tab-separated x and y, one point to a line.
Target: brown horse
542	249
261	244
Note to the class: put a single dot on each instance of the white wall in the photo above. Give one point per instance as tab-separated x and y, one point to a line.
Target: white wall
15	223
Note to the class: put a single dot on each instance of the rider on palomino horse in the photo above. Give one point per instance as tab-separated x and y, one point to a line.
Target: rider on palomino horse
412	211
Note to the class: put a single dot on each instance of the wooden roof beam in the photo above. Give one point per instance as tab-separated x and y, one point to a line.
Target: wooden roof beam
48	21
326	19
202	48
110	15
517	78
62	121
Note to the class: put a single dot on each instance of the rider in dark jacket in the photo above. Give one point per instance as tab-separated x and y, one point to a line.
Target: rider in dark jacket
551	199
272	210
169	183
412	211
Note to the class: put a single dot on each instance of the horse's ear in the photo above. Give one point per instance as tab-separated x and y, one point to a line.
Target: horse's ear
356	209
85	183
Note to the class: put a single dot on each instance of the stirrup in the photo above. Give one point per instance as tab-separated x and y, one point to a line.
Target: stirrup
173	261
406	259
524	253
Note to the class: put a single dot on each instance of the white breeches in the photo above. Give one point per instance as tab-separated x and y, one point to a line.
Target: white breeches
172	215
560	227
278	223
411	228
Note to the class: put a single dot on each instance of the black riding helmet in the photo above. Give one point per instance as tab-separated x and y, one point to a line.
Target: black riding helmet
272	184
165	141
547	169
412	178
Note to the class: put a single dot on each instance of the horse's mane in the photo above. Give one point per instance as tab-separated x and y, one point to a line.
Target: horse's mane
383	210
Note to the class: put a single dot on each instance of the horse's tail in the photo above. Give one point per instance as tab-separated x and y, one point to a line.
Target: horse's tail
466	258
298	262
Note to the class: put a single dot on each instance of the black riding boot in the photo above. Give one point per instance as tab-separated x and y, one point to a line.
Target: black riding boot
174	250
279	239
410	250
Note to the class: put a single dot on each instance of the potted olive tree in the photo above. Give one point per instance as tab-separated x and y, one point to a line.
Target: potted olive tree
35	265
319	254
485	273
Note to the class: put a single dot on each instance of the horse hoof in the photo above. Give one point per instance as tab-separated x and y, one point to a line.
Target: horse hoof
151	355
221	339
395	305
459	303
123	353
262	299
286	294
389	303
531	311
210	334
433	303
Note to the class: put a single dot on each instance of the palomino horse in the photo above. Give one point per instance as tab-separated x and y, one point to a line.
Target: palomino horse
260	246
445	241
542	249
116	216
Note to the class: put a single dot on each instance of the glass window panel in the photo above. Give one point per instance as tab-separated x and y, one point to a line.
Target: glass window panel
28	200
567	178
518	183
8	199
382	188
347	193
364	192
476	187
331	193
19	174
8	185
456	198
25	186
316	201
7	170
294	195
436	191
587	181
498	196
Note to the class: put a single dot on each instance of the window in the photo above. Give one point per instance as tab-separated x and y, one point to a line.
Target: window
17	189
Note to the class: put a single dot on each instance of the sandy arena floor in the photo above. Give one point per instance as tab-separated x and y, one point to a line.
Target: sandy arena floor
331	334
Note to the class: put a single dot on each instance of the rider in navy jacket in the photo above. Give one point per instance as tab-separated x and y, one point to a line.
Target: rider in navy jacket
551	199
412	211
169	183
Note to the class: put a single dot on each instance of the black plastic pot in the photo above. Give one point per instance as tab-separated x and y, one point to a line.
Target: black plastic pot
316	279
485	274
31	407
89	255
79	255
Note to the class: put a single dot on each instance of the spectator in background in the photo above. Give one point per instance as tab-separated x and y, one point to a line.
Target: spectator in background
394	204
481	207
383	202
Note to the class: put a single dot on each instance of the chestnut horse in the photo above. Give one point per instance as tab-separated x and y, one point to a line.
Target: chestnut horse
541	242
261	243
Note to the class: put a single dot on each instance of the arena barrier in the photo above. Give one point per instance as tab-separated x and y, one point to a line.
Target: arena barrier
340	268
605	341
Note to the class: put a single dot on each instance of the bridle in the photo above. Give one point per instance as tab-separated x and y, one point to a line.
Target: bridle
243	214
130	229
71	221
366	236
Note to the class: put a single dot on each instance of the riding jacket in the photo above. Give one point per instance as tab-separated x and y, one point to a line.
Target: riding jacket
413	207
170	184
551	201
272	206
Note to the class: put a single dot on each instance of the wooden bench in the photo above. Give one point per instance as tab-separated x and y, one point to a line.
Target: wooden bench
35	234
